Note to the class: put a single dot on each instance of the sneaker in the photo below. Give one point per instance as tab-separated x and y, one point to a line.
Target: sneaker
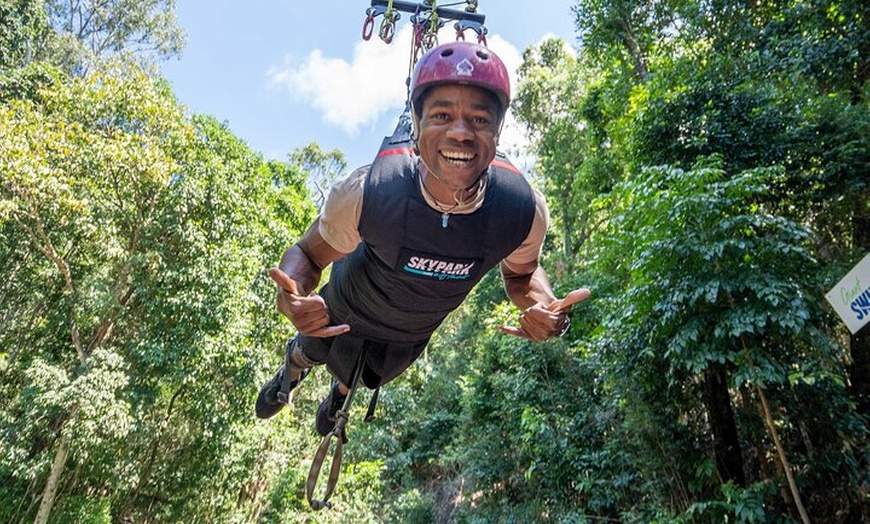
271	399
328	408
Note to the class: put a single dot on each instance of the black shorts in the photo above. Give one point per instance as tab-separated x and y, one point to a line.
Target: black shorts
383	361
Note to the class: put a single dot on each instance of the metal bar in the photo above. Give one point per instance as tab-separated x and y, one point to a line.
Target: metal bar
443	12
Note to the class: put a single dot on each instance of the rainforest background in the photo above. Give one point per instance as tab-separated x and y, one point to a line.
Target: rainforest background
706	164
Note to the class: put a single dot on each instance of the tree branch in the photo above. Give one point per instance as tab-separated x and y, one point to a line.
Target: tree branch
38	237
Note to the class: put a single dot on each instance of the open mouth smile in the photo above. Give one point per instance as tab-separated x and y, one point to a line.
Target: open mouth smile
457	158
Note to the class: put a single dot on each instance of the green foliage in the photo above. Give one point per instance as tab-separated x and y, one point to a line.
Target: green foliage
411	507
825	41
322	169
574	156
85	32
705	166
714	111
84	510
23	24
152	232
25	83
701	151
706	249
741	505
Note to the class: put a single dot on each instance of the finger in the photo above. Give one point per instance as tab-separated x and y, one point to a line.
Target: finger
539	318
295	306
570	299
311	323
533	329
284	282
330	331
513	330
528	322
319	316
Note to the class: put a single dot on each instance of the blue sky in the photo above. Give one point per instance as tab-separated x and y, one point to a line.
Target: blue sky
283	73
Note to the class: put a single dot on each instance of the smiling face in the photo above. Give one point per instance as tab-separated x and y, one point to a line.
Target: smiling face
458	129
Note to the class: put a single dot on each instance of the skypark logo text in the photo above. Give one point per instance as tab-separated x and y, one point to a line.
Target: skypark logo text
440	269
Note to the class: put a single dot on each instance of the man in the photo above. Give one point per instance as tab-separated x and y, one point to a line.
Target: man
410	235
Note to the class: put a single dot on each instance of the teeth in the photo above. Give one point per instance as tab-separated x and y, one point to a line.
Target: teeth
457	157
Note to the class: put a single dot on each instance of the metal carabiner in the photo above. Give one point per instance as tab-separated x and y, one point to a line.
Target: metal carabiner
430	40
418	34
388	29
341	418
368	27
388	24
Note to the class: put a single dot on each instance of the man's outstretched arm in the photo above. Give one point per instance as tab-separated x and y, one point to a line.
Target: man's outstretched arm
297	276
543	315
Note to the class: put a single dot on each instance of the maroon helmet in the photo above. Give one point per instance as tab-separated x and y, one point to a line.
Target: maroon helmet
461	63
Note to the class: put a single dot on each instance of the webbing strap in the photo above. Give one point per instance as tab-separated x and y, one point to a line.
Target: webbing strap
289	366
341	419
370	414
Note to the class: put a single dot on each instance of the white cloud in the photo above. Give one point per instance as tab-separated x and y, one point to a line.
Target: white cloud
352	95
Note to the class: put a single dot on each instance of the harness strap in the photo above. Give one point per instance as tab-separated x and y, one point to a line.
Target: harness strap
370	414
289	366
341	419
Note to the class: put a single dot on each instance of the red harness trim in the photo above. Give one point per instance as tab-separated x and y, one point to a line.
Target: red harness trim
396	151
506	165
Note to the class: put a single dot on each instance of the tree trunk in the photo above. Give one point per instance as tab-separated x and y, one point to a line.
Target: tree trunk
726	443
859	344
780	450
50	490
641	70
859	370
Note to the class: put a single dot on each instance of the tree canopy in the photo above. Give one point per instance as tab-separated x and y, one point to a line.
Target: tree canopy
706	167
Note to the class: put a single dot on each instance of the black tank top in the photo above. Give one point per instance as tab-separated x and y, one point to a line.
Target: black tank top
412	268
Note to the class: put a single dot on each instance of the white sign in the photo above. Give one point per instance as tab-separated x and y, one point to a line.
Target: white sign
851	296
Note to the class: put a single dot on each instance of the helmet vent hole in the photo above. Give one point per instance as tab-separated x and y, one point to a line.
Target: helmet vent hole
446	53
483	55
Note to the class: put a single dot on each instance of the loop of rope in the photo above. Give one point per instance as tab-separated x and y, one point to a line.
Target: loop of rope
388	24
430	39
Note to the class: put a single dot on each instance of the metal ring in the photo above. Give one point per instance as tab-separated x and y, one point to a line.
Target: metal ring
565	327
368	27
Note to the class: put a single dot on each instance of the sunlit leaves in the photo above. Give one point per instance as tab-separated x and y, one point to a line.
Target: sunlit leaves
139	236
22	23
87	30
711	272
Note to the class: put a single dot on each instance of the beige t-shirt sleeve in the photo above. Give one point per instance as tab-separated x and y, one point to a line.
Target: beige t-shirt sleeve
339	219
530	249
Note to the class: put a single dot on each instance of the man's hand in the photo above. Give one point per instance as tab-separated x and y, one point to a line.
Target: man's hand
540	322
308	314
